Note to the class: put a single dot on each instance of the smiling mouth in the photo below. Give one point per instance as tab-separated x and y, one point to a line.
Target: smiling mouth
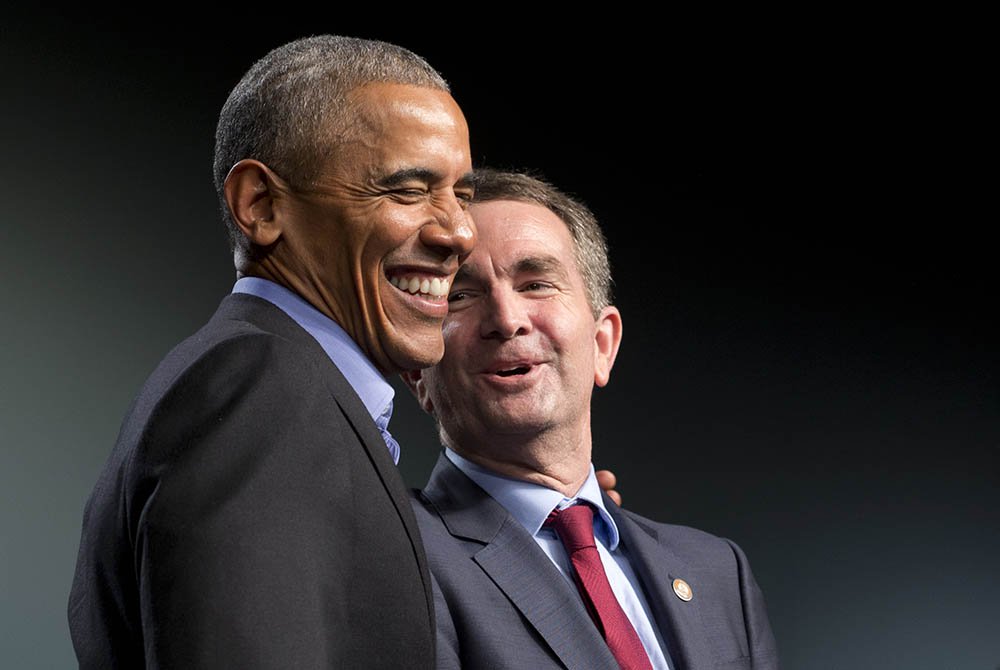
432	287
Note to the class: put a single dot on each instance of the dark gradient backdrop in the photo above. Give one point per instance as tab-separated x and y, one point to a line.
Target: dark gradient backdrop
805	272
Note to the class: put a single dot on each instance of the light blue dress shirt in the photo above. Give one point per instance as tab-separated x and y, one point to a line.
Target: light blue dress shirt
530	505
375	392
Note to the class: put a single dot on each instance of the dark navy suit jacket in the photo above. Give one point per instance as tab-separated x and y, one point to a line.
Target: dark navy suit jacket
250	516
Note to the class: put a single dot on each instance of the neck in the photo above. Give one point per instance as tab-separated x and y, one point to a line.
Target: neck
561	466
309	291
312	292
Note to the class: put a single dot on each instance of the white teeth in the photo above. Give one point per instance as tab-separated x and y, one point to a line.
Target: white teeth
435	287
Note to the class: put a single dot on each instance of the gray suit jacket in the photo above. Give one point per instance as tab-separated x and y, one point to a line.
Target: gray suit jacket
501	603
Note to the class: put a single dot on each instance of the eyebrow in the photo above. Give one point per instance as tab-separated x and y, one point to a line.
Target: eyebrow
424	175
465	272
527	265
540	265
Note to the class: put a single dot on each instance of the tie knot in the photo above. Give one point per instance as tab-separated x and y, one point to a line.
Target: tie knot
574	525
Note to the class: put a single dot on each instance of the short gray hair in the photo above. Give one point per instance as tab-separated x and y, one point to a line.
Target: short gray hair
589	244
290	108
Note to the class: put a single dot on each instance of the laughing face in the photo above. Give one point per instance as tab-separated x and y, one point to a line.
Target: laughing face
523	349
375	242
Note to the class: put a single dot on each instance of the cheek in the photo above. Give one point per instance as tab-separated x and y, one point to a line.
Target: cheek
575	345
391	225
459	348
451	330
444	392
369	231
562	329
389	242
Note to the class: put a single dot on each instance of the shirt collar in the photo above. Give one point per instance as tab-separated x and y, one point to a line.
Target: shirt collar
530	503
375	392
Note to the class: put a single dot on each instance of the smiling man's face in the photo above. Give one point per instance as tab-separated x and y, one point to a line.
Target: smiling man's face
375	241
522	345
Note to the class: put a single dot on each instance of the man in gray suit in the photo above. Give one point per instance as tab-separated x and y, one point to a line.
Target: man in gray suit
530	330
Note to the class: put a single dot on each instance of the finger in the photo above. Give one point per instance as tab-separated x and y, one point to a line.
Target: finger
606	479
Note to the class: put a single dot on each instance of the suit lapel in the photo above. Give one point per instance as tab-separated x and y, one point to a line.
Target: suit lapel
680	622
266	316
539	591
518	566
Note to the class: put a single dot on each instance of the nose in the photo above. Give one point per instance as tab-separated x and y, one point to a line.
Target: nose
506	315
452	231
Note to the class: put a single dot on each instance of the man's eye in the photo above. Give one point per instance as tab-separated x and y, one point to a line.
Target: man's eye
457	296
408	193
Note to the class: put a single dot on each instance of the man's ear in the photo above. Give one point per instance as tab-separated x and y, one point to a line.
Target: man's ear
249	190
607	337
415	381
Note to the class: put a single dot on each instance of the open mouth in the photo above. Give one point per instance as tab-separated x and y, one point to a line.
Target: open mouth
521	370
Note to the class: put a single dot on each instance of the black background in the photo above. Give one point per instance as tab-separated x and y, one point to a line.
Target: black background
800	224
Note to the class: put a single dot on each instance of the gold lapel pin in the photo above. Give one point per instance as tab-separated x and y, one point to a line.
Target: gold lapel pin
682	590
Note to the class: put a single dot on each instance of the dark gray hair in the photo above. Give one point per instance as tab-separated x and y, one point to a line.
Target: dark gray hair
290	109
590	245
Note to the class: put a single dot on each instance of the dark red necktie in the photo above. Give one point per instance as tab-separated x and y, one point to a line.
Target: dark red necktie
575	527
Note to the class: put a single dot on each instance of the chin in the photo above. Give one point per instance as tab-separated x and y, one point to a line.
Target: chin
415	357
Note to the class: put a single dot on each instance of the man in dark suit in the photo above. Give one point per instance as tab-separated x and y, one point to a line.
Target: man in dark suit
530	332
251	514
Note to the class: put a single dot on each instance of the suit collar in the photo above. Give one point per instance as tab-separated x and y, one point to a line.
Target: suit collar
467	511
530	504
268	317
370	385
